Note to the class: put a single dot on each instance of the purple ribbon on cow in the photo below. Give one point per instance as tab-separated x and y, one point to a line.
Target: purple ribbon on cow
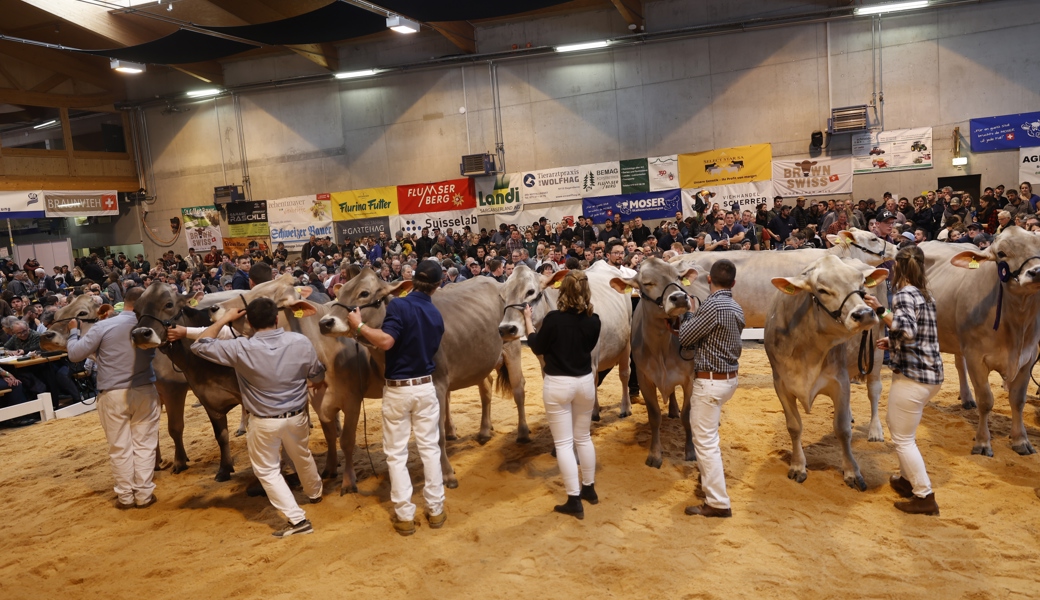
1004	274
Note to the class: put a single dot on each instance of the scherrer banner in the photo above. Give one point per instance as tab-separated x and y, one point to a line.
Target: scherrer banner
747	195
422	198
741	164
364	204
81	204
813	176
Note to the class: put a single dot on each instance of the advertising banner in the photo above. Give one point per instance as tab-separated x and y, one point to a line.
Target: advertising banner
81	204
746	195
635	176
294	220
498	194
812	177
1005	133
552	185
248	219
649	206
237	246
564	212
456	220
741	164
356	229
202	227
897	150
1029	166
601	179
664	172
364	204
421	198
21	205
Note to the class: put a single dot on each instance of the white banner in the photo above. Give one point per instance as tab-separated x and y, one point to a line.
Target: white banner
551	185
747	195
564	212
453	219
498	194
81	203
664	172
30	201
812	176
1029	166
294	220
600	179
897	150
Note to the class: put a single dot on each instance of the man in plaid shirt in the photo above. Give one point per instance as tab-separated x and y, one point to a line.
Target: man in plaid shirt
713	335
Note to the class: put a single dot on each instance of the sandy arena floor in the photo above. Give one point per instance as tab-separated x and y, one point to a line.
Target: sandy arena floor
62	537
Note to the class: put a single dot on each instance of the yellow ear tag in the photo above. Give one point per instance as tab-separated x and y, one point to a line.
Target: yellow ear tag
628	290
299	289
790	289
870	282
974	264
685	281
557	284
193	303
298	313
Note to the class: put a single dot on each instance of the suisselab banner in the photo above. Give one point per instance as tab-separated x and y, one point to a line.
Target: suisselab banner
726	166
454	220
812	176
294	220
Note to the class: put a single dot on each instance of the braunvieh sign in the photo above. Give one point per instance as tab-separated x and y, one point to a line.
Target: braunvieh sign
741	164
81	204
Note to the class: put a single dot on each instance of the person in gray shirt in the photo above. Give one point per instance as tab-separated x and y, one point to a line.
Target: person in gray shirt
127	403
273	368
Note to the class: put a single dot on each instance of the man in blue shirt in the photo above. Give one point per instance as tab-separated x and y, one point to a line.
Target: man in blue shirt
410	336
240	281
783	225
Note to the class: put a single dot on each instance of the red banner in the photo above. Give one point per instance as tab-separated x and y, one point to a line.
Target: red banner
456	194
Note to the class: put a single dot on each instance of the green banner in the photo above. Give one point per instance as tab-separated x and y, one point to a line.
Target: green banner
635	176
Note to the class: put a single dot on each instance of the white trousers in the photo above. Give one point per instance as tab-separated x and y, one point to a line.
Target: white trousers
568	408
705	412
130	418
265	440
407	409
906	401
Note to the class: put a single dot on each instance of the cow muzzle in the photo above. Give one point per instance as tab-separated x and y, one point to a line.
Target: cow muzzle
864	317
52	340
332	326
145	338
509	332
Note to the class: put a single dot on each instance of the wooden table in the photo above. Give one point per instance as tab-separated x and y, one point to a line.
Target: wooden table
18	364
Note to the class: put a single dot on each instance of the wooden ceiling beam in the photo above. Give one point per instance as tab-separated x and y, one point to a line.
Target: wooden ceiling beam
82	68
50	83
102	21
10	78
632	12
208	72
459	33
323	55
21	97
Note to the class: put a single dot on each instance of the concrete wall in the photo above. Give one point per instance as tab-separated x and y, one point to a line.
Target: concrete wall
940	69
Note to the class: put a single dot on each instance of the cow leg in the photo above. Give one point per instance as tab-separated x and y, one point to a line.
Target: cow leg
448	425
625	372
979	374
966	397
875	433
673	406
448	472
516	380
347	442
843	431
330	429
243	422
691	452
794	428
173	396
1017	389
484	435
220	431
653	413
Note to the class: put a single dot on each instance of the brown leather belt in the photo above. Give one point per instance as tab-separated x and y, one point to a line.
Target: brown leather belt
710	375
408	382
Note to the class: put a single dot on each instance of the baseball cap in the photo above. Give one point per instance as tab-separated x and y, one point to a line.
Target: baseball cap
428	271
975	225
885	215
982	237
908	235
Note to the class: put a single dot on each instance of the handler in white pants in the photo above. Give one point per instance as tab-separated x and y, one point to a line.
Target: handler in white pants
409	408
568	409
906	401
713	335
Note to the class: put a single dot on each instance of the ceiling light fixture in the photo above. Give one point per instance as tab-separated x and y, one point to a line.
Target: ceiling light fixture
356	74
401	24
878	9
582	46
125	66
47	124
203	93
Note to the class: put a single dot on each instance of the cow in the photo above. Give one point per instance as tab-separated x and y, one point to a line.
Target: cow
664	291
171	385
813	315
971	287
754	293
470	349
525	286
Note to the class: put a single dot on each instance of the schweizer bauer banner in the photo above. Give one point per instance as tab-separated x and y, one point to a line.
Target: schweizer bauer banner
741	164
813	176
422	198
294	220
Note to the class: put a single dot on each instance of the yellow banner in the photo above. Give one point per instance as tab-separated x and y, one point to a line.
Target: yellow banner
742	164
364	204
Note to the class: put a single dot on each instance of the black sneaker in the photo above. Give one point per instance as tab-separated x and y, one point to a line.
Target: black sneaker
301	528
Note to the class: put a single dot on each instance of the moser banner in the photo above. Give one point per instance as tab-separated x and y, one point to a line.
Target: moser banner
552	185
742	164
294	220
364	204
601	179
355	229
664	172
81	204
498	194
1005	133
650	205
747	196
563	212
238	246
812	176
422	198
1029	166
635	176
455	220
202	227
21	205
897	150
248	219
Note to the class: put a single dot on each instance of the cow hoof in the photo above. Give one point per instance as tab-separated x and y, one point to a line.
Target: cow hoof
348	489
1025	448
552	452
451	483
451	437
162	466
624	414
595	417
483	438
327	474
523	439
970	404
223	476
856	482
673	415
240	433
983	450
179	468
797	475
691	455
293	481
653	461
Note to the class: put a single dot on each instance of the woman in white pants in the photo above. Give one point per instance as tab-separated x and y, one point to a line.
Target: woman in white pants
566	340
917	375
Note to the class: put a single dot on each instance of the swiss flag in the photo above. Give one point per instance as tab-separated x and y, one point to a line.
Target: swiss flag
1010	136
834	178
108	201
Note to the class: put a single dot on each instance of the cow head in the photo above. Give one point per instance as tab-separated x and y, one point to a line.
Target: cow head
864	246
1017	255
84	309
282	291
837	287
367	292
156	310
525	286
662	284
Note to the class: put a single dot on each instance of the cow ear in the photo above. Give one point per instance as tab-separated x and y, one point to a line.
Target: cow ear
790	285
970	259
105	311
302	309
875	277
401	289
554	279
305	290
689	276
335	289
624	286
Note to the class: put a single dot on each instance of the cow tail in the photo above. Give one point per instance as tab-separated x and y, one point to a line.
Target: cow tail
502	385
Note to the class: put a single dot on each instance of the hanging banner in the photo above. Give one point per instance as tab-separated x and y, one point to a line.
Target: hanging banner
202	227
600	179
742	164
1005	133
650	205
897	150
355	229
498	194
812	176
21	205
455	220
294	220
664	172
552	185
81	204
248	219
564	212
1029	166
364	204
238	246
747	196
635	176
422	198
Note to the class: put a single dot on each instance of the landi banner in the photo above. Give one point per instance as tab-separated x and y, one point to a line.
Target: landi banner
422	198
364	204
498	194
896	150
741	164
81	204
202	227
294	220
248	219
812	176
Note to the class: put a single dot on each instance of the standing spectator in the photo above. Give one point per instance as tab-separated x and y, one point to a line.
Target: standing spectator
1026	193
782	225
800	213
240	281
